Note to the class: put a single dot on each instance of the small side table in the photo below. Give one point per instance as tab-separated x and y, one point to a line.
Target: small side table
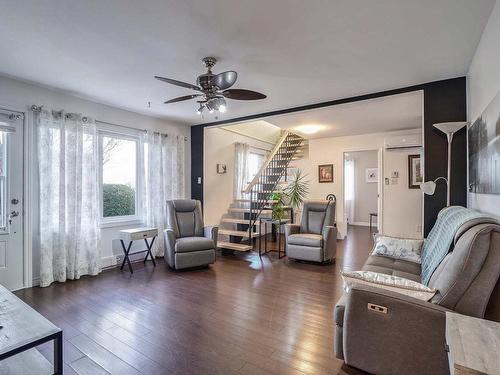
134	234
278	223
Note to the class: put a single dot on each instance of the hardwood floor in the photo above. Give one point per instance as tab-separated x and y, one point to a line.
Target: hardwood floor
243	315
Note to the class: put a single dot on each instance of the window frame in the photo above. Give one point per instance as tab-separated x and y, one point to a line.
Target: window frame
114	221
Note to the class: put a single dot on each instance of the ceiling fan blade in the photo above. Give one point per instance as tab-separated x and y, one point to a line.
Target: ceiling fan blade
224	80
181	98
240	94
178	83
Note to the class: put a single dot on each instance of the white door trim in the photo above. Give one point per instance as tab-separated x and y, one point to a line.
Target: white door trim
380	185
28	173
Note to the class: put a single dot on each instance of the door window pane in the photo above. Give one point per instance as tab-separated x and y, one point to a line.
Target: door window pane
119	176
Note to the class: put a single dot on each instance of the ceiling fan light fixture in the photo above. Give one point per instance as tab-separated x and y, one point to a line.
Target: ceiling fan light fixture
214	88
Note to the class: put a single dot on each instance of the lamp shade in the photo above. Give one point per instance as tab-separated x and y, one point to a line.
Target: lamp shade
450	127
428	187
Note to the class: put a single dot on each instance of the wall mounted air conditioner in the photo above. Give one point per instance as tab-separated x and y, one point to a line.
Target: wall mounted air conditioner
403	141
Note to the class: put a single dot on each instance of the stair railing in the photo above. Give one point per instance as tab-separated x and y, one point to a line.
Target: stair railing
265	181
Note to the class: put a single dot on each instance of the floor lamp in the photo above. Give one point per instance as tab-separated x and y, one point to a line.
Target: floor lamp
448	128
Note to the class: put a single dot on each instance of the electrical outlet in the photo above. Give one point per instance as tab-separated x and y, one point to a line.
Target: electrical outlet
119	259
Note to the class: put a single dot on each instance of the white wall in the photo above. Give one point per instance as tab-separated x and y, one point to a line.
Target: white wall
483	81
218	188
331	150
402	205
19	96
365	193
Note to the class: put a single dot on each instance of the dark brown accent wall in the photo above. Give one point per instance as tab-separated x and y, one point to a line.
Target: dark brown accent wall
443	101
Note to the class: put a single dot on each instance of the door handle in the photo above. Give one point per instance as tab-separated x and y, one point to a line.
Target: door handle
12	215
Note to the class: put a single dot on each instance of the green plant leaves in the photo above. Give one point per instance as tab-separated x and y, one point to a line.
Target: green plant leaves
297	189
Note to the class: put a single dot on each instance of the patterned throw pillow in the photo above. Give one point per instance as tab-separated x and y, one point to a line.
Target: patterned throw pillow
388	282
398	248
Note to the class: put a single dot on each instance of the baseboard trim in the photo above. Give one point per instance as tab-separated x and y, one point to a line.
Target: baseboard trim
363	224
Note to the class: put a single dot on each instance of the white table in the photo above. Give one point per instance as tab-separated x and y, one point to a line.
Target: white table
22	330
473	345
134	234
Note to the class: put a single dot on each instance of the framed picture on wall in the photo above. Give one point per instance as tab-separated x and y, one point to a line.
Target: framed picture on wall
371	175
415	176
325	173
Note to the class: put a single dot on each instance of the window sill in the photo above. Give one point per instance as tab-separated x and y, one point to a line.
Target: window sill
120	223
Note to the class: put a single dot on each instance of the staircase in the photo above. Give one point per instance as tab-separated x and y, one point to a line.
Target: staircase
239	226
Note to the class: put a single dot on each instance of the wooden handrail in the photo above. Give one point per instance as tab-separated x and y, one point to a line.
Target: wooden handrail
266	163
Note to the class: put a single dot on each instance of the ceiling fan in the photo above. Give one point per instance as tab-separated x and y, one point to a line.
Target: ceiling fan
213	89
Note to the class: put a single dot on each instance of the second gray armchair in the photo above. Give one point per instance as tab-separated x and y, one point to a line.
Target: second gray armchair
187	242
315	238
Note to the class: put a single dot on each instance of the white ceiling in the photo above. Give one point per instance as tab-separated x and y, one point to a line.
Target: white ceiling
295	51
259	129
390	113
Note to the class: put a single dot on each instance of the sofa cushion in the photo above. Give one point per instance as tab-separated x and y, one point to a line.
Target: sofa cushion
306	239
188	244
388	282
398	248
390	266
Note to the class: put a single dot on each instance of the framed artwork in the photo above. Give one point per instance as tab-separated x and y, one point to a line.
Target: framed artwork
371	175
484	151
325	173
221	168
415	176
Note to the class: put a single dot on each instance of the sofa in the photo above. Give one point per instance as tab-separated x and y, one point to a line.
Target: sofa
315	238
187	242
410	337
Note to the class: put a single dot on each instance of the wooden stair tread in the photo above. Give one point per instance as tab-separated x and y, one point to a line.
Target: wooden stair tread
234	209
233	246
239	233
271	201
235	221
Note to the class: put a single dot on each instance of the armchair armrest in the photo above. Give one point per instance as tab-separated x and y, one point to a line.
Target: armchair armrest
169	241
211	231
330	242
408	337
291	229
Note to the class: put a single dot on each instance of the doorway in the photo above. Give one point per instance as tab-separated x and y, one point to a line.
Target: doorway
361	190
11	200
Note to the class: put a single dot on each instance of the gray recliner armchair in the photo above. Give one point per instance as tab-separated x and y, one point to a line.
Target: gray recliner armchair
187	242
410	337
315	238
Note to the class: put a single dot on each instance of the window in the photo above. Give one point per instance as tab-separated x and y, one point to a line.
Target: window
255	161
3	180
119	194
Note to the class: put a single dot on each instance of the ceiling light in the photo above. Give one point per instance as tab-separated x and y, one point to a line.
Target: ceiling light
309	129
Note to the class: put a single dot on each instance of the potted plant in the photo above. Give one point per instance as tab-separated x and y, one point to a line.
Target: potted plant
297	189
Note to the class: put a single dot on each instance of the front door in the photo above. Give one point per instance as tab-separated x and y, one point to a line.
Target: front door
11	200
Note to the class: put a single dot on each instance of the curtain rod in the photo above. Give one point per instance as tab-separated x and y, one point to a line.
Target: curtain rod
137	129
36	108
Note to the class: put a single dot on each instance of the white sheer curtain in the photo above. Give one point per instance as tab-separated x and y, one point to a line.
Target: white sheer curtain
69	235
349	190
241	170
163	176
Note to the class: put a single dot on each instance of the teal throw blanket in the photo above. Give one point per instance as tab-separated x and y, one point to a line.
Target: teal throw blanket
438	242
